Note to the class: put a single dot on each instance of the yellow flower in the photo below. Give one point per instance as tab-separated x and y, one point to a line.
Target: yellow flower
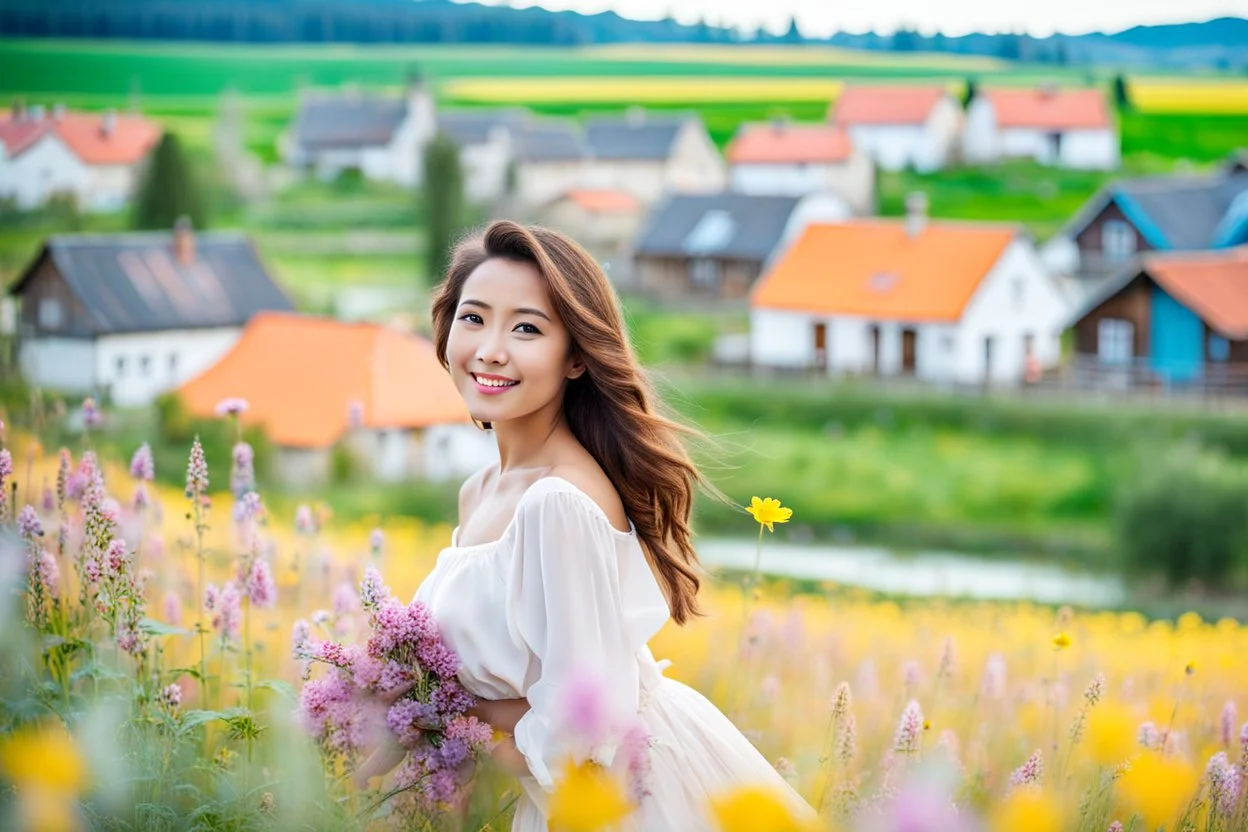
1024	810
754	809
1061	641
44	759
587	799
1111	734
1157	788
768	510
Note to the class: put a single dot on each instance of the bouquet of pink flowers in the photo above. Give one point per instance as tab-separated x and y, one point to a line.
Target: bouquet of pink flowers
399	688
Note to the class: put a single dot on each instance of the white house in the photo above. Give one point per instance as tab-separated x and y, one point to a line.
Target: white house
944	302
379	393
779	158
486	148
130	316
1068	128
649	156
550	159
900	127
380	136
94	158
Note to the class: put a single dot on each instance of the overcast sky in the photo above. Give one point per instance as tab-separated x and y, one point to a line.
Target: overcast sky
953	17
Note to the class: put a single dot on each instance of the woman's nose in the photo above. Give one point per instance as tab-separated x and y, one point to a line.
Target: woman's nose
491	350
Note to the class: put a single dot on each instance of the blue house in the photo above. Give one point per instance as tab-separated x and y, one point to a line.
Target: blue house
1172	318
1131	217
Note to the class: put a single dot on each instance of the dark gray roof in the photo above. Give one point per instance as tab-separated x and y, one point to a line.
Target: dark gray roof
1185	210
325	122
548	141
474	126
636	138
133	282
725	225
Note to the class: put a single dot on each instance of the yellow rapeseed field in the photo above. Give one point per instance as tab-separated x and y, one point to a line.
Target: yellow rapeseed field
1213	96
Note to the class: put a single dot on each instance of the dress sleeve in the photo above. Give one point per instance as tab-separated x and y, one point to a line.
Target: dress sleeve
583	608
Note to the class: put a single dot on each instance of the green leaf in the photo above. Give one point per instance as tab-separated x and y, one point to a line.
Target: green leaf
196	718
282	687
159	628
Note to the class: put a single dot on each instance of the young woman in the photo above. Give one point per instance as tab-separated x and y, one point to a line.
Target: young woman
574	550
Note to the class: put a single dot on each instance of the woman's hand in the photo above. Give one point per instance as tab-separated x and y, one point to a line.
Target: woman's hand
379	763
501	714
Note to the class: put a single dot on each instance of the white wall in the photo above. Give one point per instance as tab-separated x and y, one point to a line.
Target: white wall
46	168
485	166
998	310
985	142
891	146
192	352
851	180
981	142
941	134
695	164
1091	149
64	364
539	182
110	187
454	451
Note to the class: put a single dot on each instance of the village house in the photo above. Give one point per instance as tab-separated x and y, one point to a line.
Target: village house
1066	128
716	245
485	140
380	136
549	158
599	219
943	302
901	127
95	159
1130	217
1169	318
649	156
784	159
378	394
129	316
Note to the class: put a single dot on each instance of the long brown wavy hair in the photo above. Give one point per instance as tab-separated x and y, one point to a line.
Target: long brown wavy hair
611	408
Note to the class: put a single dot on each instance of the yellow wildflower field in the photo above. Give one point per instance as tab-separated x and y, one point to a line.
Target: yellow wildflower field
780	55
1185	96
647	90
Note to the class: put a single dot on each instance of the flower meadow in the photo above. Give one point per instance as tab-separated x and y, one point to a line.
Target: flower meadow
194	660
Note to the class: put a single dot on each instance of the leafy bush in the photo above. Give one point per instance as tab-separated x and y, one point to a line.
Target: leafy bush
1185	518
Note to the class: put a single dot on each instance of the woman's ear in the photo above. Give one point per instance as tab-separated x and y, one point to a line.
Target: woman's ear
576	369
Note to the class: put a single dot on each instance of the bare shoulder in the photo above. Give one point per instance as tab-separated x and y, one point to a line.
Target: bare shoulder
470	492
594	482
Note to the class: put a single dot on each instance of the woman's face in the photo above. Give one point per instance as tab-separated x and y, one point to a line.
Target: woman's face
509	352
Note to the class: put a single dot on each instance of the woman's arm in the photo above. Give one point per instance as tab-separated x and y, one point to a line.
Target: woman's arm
503	714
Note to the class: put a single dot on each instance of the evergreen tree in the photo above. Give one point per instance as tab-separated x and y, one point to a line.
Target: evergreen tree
444	203
969	91
168	190
1122	97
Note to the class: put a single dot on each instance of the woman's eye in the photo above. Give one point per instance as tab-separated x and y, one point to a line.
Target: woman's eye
471	317
528	329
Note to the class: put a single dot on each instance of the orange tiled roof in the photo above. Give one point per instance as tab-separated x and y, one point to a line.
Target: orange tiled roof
300	375
1212	284
604	200
129	141
885	105
1049	109
874	269
789	143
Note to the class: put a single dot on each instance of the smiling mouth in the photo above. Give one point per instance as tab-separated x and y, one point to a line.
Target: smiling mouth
496	383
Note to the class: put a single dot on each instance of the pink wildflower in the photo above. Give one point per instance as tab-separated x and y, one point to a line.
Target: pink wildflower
142	467
1227	723
171	696
1029	772
196	471
28	525
171	606
232	406
261	590
909	730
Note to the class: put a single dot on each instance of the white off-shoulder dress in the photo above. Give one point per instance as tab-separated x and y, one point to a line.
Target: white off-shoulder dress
563	593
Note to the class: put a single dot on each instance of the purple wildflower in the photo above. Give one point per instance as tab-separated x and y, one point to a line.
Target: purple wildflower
129	639
232	406
909	729
90	413
355	414
635	746
91	568
994	676
48	501
49	573
1243	742
1148	736
345	601
116	557
1116	826
6	471
171	606
28	525
301	639
224	604
373	591
1029	772
141	500
171	696
243	472
1095	690
248	508
142	467
1227	723
305	523
409	720
196	471
376	539
261	590
910	674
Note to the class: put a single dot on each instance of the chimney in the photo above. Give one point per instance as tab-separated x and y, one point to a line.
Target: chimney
58	110
916	213
108	123
183	241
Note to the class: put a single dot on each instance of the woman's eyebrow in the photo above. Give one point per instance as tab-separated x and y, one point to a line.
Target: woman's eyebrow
522	310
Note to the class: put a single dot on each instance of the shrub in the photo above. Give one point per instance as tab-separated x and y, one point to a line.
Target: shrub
1185	517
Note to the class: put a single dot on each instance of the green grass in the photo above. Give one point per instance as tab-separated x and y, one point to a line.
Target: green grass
1190	136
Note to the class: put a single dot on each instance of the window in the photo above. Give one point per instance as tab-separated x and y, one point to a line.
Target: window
1117	240
1019	290
1115	341
121	366
1219	347
145	365
173	363
704	273
51	315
